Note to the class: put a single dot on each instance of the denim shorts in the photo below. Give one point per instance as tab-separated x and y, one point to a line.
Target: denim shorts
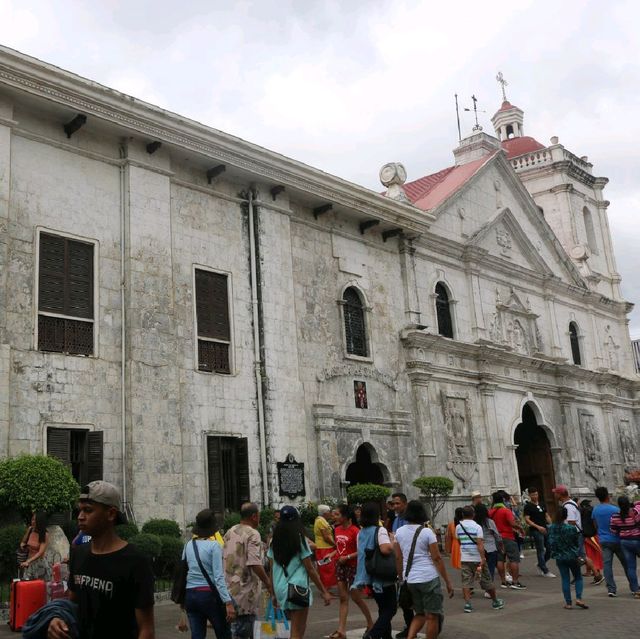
242	627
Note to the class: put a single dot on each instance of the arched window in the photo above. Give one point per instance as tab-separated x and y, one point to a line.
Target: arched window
354	323
443	311
590	230
510	133
575	343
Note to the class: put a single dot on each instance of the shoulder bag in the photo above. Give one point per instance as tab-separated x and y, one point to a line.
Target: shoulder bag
23	553
378	565
179	587
297	595
214	590
405	600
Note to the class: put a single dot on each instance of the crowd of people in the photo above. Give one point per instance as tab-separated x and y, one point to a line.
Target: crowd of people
389	554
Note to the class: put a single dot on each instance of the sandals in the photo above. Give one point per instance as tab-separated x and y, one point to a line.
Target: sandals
568	607
582	605
336	634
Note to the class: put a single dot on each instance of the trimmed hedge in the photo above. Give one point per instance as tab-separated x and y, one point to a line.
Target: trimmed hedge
127	531
148	545
10	537
166	562
162	528
36	482
362	493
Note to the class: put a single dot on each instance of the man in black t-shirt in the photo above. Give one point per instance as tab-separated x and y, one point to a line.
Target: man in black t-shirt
111	581
537	518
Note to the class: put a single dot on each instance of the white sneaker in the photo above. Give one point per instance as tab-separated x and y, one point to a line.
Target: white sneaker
487	595
548	574
508	578
521	556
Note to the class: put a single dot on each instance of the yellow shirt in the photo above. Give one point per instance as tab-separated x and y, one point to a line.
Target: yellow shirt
217	537
319	525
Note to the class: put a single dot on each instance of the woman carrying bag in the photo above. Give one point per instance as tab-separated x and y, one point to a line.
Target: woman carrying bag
291	569
377	568
206	597
31	555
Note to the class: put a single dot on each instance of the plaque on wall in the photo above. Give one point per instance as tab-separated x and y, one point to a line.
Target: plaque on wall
291	478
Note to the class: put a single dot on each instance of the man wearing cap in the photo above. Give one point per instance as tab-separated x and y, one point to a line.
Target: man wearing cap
574	518
110	580
476	498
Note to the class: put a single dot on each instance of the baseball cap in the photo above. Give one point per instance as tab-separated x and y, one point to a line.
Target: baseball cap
476	493
102	492
289	513
561	489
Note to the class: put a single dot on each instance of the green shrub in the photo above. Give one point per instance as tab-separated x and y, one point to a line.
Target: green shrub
127	531
162	527
230	521
10	537
170	554
362	493
435	491
149	545
266	519
36	482
308	513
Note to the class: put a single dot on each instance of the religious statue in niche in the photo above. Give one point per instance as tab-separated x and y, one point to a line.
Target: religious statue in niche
592	446
628	449
360	394
612	353
514	325
457	420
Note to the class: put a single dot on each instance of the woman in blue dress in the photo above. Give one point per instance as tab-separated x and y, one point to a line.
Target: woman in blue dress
290	559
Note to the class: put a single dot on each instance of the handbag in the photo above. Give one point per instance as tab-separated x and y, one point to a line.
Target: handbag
405	600
297	595
179	587
380	566
22	554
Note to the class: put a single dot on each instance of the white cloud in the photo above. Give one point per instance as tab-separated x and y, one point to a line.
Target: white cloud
347	86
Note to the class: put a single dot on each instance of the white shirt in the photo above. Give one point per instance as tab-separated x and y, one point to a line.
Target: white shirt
422	568
573	514
468	546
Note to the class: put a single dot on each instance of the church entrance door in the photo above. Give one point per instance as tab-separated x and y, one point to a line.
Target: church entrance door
535	464
363	470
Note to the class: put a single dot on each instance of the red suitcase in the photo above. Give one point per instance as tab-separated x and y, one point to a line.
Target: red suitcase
24	599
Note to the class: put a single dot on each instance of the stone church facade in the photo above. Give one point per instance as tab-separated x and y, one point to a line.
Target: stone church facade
180	310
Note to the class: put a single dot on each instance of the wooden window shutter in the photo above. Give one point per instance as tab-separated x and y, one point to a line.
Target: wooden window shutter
59	444
95	455
242	465
214	464
212	305
79	280
51	274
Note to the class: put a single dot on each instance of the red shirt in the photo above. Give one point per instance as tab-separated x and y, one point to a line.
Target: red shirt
503	518
347	542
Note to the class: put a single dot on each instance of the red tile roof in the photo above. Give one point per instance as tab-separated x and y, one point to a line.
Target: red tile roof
506	105
431	190
520	146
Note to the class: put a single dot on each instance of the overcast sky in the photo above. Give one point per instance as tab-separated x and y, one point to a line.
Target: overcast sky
348	86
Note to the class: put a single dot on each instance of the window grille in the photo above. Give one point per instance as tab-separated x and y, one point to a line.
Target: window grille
65	295
443	311
575	344
213	325
354	323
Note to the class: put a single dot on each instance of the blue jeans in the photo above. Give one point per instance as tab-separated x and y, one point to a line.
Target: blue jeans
568	568
203	605
631	550
492	562
542	549
609	549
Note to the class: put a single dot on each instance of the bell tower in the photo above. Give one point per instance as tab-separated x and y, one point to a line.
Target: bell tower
508	122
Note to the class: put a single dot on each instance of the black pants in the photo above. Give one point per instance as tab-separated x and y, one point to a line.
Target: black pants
387	601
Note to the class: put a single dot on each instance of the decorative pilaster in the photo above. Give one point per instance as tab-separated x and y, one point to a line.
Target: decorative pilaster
328	457
409	282
494	437
425	437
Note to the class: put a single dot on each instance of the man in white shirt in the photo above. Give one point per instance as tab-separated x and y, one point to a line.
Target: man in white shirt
473	561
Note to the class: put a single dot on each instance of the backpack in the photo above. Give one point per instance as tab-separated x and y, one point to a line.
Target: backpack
588	529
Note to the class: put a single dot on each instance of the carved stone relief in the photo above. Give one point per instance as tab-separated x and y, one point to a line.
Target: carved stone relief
612	353
592	446
460	449
629	455
514	325
503	239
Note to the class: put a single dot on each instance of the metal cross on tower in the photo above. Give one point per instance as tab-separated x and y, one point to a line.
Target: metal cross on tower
477	126
503	83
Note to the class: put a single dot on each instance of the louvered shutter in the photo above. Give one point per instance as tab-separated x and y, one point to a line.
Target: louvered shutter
51	274
95	455
59	444
214	463
212	305
242	465
79	280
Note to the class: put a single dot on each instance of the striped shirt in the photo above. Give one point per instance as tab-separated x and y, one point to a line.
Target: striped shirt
629	527
468	532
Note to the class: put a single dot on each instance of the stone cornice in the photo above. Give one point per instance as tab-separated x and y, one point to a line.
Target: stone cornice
52	84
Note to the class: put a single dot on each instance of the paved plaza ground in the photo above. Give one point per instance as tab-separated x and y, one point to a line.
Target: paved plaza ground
532	613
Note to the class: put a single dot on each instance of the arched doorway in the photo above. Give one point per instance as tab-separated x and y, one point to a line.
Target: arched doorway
535	464
364	470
